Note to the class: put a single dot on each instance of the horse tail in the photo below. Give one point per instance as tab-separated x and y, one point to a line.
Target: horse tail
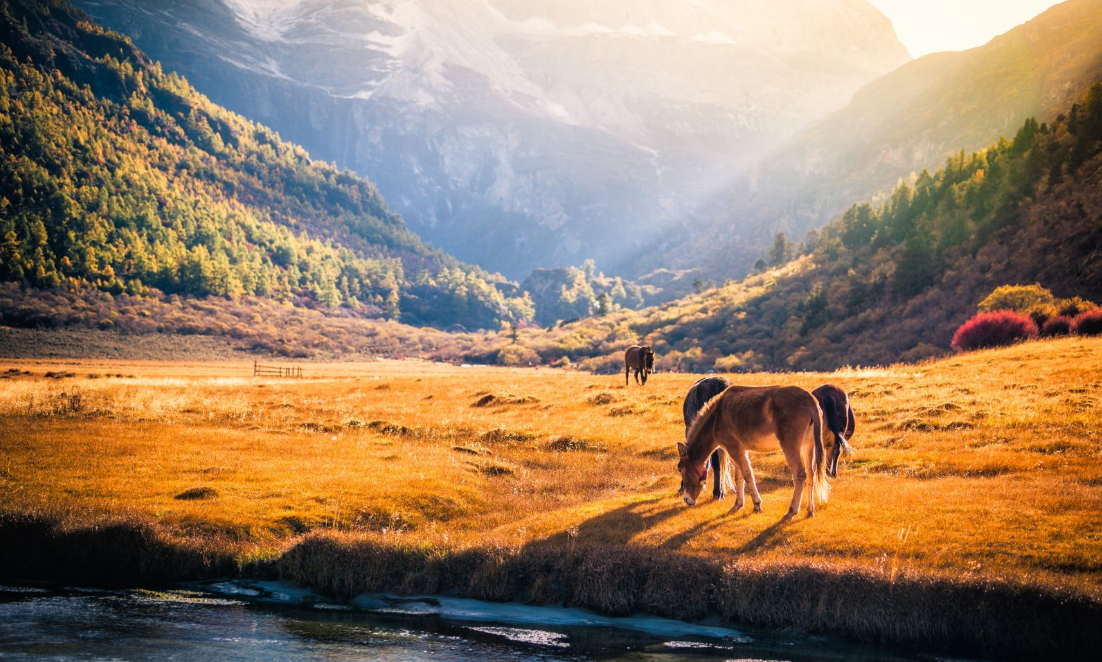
819	485
851	423
725	468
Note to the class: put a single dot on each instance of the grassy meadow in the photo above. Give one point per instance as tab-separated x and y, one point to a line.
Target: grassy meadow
977	473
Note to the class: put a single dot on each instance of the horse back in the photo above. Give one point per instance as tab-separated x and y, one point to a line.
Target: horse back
699	395
759	416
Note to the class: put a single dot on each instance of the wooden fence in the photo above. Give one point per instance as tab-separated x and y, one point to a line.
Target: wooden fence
275	371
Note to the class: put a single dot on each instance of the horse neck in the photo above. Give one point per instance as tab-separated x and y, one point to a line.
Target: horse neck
704	443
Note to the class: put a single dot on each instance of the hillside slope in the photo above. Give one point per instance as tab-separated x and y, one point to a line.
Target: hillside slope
891	283
117	176
910	119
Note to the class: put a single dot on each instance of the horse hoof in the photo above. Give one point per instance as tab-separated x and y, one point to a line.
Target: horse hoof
810	515
757	508
734	509
719	496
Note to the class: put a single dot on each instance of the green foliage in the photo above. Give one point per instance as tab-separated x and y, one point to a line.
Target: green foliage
781	250
117	176
1021	298
570	293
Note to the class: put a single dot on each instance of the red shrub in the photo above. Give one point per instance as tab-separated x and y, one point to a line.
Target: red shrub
994	329
1088	323
1057	326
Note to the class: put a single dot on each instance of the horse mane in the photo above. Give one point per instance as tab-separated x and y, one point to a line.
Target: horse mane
705	416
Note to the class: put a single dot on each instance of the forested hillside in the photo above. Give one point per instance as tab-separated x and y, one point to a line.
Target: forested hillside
119	177
890	283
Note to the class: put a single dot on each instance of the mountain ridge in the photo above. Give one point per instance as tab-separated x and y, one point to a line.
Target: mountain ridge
512	141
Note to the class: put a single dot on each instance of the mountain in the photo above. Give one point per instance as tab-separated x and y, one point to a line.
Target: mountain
891	282
119	177
527	133
908	120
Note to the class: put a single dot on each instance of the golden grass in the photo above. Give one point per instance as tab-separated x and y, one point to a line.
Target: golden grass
982	467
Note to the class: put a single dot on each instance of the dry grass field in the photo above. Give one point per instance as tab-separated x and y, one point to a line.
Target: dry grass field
981	469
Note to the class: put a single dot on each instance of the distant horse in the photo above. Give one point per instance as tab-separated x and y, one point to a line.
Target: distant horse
763	420
833	402
698	396
639	358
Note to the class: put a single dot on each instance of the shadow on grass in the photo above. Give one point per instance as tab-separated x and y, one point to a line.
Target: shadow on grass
619	525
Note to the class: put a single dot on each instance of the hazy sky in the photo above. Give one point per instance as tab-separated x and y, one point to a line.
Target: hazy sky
928	26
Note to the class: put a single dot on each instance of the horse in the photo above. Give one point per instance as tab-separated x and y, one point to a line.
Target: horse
833	401
698	396
763	420
639	358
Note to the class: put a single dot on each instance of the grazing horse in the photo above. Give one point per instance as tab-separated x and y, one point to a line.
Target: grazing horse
698	396
639	358
763	420
834	401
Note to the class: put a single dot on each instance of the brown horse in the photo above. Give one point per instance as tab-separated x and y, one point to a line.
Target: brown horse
763	420
639	358
834	401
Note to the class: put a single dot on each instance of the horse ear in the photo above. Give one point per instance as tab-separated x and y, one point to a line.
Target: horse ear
682	449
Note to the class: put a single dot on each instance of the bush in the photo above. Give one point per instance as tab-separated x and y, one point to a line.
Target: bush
1057	326
994	329
1021	298
1074	306
516	355
1041	316
1088	323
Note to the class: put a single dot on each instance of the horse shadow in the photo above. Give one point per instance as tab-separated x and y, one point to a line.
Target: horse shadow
619	525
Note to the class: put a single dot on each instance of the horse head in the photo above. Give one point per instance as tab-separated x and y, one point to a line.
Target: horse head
693	479
840	449
648	362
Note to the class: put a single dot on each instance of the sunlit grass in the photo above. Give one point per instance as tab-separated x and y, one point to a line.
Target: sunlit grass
981	465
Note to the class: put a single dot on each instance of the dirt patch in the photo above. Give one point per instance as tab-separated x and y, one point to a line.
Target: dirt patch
197	494
576	444
603	399
491	400
494	469
625	411
502	436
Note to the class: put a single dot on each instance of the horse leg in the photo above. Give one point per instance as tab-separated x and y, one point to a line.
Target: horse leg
799	479
718	491
740	491
809	466
743	462
627	373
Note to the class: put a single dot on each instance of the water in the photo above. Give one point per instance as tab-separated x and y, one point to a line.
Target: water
270	621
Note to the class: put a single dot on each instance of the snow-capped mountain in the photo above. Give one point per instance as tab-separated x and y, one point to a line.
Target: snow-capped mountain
525	133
